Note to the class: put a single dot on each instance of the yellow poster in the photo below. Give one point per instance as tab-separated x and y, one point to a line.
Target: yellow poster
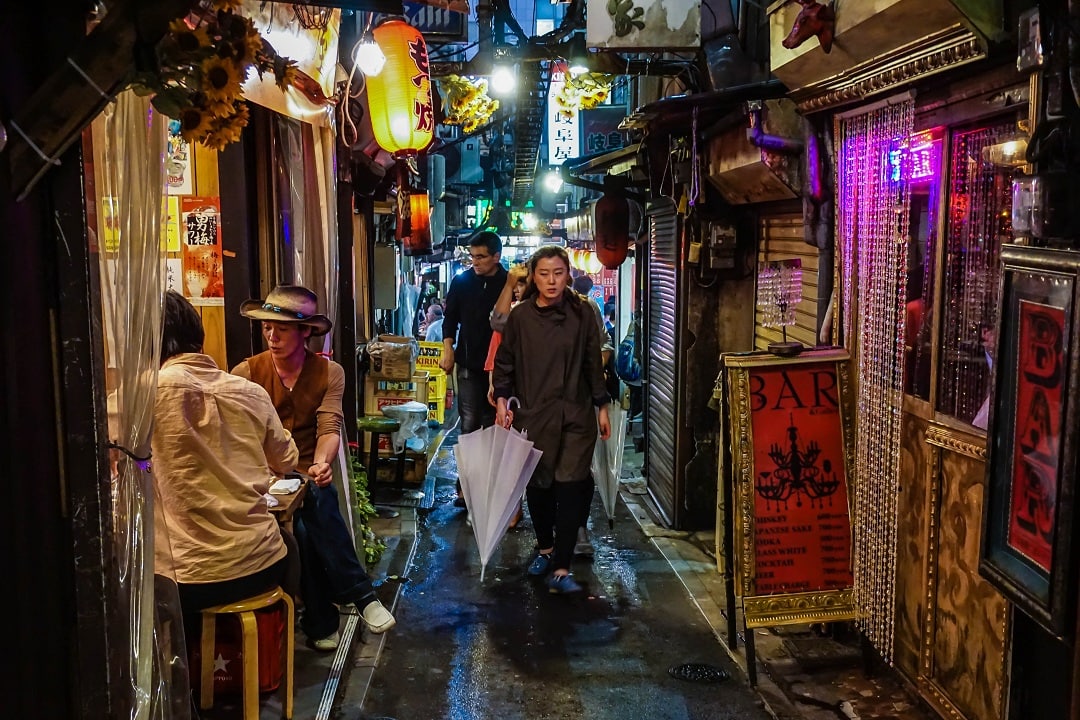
172	224
110	227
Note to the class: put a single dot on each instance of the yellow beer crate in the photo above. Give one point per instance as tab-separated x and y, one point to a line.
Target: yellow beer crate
430	355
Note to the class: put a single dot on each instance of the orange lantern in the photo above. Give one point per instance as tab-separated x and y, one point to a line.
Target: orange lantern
612	225
399	97
413	222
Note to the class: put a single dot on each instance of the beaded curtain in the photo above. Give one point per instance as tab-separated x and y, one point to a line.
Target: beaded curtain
980	203
873	233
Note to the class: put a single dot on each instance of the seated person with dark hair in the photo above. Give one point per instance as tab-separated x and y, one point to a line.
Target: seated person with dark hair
216	442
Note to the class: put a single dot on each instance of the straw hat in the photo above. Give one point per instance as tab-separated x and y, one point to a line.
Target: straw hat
289	304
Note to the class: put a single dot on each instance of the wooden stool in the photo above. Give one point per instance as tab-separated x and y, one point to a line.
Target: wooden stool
249	649
377	425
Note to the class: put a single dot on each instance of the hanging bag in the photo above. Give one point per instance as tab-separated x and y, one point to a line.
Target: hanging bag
627	364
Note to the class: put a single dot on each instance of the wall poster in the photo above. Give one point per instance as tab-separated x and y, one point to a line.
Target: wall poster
203	279
1027	522
792	444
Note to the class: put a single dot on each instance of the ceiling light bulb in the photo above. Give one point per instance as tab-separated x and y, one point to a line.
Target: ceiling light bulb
369	58
577	68
553	181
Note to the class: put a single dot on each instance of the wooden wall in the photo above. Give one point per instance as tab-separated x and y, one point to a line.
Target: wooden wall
951	627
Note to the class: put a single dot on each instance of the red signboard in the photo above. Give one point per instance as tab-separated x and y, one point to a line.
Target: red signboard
1037	434
802	532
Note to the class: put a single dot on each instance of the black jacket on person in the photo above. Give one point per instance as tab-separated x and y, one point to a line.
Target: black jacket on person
469	303
549	359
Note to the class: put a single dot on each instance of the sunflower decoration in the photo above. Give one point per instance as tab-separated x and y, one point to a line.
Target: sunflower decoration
201	64
466	102
584	91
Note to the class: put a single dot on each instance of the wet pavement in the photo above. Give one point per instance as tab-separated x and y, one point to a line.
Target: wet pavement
506	648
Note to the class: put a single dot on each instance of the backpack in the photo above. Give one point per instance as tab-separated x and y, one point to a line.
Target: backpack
627	365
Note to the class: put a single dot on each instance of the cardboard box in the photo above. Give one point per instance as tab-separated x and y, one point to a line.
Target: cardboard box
383	393
393	357
378	393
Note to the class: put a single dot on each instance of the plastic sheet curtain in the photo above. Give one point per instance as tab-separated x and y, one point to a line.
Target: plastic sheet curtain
307	212
872	237
129	147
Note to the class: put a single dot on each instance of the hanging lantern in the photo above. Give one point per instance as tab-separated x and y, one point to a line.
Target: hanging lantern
413	220
399	97
612	223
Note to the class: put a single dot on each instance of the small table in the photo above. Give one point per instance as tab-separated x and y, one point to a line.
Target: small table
289	504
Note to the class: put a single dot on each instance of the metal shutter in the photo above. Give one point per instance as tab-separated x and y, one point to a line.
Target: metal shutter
661	366
781	238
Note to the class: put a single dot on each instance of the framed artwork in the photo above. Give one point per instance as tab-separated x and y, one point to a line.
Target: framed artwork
791	434
1031	465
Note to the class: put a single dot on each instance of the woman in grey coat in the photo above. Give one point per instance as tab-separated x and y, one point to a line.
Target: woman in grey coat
550	361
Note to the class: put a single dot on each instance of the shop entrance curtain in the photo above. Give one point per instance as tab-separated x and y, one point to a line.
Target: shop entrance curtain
872	231
129	149
306	190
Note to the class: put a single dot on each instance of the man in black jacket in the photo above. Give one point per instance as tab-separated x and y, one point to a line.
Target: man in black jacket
466	319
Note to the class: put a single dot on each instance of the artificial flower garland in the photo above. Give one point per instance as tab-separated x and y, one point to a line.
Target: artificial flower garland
584	91
201	64
466	102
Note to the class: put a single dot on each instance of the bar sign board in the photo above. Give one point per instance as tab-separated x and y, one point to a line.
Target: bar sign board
792	439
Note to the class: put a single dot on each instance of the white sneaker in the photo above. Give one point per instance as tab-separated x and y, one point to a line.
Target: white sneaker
328	643
377	617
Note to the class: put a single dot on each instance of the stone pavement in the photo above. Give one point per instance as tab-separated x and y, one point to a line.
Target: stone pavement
801	672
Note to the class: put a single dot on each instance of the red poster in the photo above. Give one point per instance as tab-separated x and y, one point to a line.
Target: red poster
202	247
1037	440
802	532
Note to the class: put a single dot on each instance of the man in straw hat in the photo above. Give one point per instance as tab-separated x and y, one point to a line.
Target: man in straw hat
307	390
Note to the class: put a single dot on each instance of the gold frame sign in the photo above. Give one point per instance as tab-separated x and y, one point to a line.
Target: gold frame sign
792	449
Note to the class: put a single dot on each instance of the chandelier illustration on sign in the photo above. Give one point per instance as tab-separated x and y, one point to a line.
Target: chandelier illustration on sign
797	474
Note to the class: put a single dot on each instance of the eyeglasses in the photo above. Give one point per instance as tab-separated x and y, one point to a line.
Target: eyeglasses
478	258
284	311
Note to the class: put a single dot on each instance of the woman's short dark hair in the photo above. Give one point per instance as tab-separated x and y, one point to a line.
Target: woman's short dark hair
181	327
550	251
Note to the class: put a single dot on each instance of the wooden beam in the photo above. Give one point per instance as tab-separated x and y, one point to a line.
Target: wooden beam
78	90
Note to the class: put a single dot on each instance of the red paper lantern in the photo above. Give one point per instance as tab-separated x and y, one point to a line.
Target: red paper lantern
413	222
399	97
612	223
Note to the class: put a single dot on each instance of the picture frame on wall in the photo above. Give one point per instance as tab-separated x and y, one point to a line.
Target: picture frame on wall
791	434
1030	487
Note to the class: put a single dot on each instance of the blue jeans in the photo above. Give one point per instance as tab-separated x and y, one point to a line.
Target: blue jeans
473	407
330	572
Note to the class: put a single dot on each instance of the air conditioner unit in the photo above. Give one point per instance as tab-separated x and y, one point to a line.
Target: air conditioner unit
463	163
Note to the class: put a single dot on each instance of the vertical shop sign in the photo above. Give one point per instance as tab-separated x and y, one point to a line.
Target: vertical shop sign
792	452
1029	505
202	248
563	130
1037	434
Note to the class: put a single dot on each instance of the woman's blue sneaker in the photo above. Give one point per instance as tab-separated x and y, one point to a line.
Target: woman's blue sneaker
562	585
540	565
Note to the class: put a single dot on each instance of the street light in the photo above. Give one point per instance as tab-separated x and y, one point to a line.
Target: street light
553	181
503	77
